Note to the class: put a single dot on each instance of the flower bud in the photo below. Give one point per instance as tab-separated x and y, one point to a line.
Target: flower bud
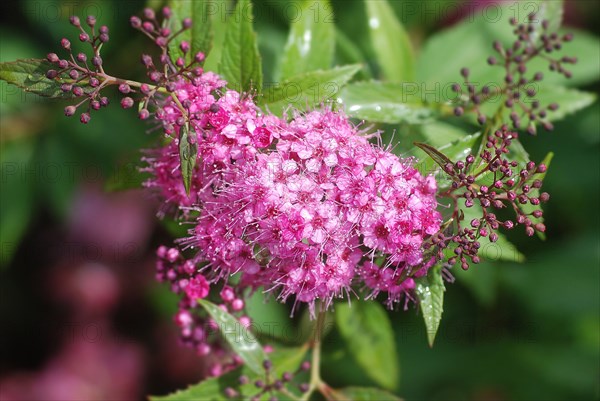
64	42
84	37
143	114
81	57
77	91
63	64
97	61
149	13
104	37
95	104
84	118
199	57
104	101
184	46
127	102
52	57
70	110
73	74
135	22
124	88
91	21
74	20
187	23
51	74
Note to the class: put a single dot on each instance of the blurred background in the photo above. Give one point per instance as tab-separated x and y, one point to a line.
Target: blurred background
82	318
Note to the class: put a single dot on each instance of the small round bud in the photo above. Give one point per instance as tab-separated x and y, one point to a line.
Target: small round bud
458	111
199	57
104	101
84	37
52	57
464	72
187	23
81	57
104	37
77	91
529	231
568	37
259	383
167	12
63	64
104	29
165	32
124	88
184	46
544	197
74	74
143	114
161	41
180	62
148	26
267	364
493	237
243	380
74	20
84	118
305	366
70	110
303	387
95	104
97	61
145	89
94	82
51	74
147	60
149	13
230	392
481	119
64	42
135	22
492	60
91	21
127	102
553	107
287	376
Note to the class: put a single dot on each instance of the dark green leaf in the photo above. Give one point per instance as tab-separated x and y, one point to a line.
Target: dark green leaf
126	176
311	41
188	154
17	198
390	42
199	36
367	330
241	340
240	60
383	102
430	291
30	75
307	90
362	394
441	159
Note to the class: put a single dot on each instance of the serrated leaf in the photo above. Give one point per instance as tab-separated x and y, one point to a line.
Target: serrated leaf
430	292
30	75
569	100
307	90
240	60
188	155
199	36
241	340
390	42
311	41
362	394
367	330
389	103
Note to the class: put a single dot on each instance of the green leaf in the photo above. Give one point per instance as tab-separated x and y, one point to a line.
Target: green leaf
241	340
240	59
441	159
188	155
430	291
367	330
362	394
390	42
551	11
502	249
213	389
30	75
311	42
569	100
535	192
199	36
307	90
389	103
348	52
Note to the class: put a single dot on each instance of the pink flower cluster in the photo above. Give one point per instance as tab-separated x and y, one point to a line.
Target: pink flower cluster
303	207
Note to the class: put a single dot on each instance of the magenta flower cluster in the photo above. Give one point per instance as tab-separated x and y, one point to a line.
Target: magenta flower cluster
301	208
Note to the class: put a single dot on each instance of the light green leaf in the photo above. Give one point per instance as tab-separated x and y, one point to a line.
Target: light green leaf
311	42
390	42
240	59
430	291
367	330
441	159
188	155
348	52
569	100
199	36
30	75
218	10
362	394
384	102
241	340
307	90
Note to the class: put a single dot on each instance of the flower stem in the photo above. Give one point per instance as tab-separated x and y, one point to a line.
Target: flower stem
315	374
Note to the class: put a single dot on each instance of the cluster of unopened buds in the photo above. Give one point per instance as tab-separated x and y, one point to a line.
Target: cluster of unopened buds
509	186
271	385
520	88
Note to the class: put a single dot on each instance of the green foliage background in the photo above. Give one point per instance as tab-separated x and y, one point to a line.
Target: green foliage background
510	330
